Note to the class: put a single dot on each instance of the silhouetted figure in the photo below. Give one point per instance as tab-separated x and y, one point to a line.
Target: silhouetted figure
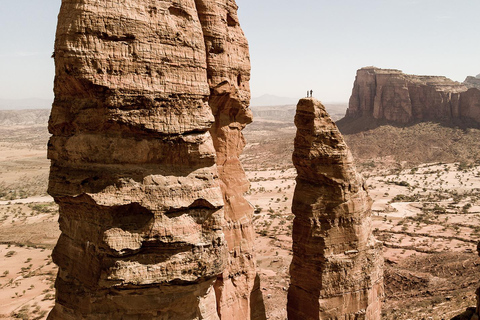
311	92
307	93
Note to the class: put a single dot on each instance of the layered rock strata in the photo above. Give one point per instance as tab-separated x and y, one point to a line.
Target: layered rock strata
336	271
150	101
387	94
228	74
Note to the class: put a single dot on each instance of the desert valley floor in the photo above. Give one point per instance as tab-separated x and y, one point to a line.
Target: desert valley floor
426	214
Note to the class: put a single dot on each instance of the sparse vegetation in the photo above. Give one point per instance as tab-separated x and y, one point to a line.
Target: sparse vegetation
10	254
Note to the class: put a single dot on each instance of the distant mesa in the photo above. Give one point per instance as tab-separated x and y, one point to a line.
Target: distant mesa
392	96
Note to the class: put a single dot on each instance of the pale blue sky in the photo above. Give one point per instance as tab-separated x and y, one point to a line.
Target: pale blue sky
294	45
27	33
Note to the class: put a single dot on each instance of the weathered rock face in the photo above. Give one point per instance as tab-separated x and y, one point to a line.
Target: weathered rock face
152	227
391	95
336	271
472	82
228	73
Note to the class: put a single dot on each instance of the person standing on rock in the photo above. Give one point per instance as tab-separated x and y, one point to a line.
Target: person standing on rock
307	93
311	92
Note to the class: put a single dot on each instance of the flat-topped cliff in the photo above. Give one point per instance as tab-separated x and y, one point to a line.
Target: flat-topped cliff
391	95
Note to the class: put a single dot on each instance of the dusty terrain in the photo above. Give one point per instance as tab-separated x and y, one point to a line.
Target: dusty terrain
427	215
28	217
423	142
428	218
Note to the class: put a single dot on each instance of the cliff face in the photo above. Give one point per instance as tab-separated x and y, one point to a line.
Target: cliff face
150	101
336	271
391	95
228	74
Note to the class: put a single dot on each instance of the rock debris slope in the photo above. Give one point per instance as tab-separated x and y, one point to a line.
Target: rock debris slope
388	94
150	101
336	271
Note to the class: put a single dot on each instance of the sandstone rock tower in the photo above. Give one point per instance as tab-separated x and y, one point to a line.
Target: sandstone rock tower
228	74
336	271
150	100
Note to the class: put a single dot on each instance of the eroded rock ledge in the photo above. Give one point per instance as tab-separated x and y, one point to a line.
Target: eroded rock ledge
150	101
336	271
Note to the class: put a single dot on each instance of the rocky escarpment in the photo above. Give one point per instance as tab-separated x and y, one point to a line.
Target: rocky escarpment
472	82
386	94
150	101
336	271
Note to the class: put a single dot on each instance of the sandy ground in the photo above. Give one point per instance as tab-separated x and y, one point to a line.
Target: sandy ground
26	282
418	213
35	199
28	224
23	163
28	233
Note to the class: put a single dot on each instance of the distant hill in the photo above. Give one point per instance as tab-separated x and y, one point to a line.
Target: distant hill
424	142
21	104
281	113
24	117
287	112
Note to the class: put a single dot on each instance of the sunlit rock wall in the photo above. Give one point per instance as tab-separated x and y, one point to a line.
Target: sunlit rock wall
146	134
337	267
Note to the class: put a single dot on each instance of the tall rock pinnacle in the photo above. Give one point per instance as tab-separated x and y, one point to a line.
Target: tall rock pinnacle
150	101
228	73
336	271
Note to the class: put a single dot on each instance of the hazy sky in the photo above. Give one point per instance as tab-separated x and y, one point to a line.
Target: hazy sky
27	33
294	45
